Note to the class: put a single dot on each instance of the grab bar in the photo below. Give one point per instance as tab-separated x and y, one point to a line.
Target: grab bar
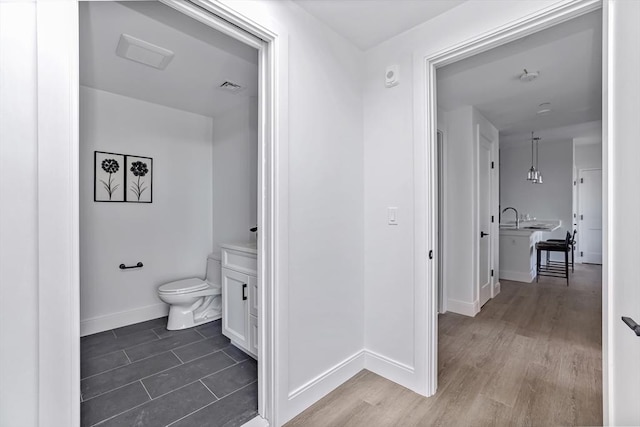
124	267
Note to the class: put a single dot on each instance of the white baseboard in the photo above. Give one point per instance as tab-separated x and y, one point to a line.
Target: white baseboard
465	308
258	421
312	391
122	318
390	369
496	289
517	276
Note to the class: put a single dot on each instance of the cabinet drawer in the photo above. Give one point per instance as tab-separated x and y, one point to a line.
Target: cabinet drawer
239	261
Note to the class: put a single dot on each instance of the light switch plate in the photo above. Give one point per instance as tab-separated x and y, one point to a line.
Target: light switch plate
392	215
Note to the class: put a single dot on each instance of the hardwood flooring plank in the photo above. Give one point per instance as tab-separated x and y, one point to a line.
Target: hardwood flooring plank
531	357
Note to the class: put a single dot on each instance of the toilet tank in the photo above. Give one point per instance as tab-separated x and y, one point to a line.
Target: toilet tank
214	273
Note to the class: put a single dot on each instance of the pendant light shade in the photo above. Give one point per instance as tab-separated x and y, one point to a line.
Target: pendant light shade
538	179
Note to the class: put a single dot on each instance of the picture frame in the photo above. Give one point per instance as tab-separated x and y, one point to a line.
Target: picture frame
139	179
109	177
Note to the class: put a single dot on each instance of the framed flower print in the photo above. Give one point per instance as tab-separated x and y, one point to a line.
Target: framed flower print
139	178
109	177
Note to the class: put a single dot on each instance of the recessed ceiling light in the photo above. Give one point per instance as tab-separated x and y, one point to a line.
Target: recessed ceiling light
143	52
545	108
529	76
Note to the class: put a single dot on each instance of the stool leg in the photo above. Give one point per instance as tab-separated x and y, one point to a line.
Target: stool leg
548	257
566	265
572	258
537	265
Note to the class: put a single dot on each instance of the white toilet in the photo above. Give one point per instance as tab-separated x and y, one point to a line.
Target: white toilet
194	301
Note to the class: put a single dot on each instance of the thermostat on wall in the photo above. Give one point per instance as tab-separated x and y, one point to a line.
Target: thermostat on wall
392	76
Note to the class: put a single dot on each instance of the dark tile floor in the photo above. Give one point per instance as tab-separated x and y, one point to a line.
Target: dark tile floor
144	375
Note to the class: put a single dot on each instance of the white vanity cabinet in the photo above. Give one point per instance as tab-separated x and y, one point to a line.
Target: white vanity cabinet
240	296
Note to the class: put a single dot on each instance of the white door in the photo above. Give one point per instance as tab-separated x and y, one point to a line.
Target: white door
590	215
235	294
484	219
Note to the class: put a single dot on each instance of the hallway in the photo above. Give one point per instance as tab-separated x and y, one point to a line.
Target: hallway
532	356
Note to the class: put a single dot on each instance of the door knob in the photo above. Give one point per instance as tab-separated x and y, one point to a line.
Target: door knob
482	234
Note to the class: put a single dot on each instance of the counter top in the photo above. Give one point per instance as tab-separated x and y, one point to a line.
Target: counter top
251	247
526	228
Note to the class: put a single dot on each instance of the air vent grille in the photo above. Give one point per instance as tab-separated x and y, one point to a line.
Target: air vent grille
231	87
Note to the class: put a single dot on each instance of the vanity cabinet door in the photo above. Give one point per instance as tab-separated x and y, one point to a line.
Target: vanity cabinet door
253	296
235	307
253	336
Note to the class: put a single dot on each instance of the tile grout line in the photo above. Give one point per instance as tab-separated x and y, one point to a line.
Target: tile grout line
205	406
205	386
199	333
144	403
164	370
178	357
145	389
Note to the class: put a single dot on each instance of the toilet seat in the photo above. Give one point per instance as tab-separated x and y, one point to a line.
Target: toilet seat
184	286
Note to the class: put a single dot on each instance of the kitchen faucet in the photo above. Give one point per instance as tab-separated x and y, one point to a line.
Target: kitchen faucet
516	211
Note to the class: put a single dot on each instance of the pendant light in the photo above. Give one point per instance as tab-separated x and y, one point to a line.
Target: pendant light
532	174
538	179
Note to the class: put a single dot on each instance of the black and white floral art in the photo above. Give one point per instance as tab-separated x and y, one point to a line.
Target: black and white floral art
109	177
139	179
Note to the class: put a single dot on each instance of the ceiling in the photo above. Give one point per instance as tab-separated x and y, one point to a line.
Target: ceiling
367	23
568	57
204	57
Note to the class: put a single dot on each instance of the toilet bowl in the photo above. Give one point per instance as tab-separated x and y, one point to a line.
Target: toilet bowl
193	301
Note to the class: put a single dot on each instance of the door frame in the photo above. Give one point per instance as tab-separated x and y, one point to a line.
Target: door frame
425	168
493	203
579	258
58	200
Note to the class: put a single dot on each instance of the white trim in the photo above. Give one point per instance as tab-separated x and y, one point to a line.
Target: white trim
122	318
462	307
425	127
59	307
388	368
608	321
518	276
310	392
58	218
496	289
256	422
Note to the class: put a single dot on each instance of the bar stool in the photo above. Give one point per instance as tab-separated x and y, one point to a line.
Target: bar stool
553	269
572	242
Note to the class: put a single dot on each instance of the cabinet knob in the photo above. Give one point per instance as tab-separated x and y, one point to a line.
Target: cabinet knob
244	292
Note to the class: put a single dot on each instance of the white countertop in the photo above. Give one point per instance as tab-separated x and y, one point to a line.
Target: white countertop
251	247
526	228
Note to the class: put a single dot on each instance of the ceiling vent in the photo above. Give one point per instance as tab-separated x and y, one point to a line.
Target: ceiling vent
231	87
143	52
529	76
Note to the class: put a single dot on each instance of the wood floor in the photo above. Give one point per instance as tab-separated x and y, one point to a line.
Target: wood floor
532	356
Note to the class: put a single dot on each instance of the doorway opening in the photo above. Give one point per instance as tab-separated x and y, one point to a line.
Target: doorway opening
487	106
174	182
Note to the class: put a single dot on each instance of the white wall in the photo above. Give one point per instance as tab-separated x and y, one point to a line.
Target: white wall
321	303
587	156
459	193
550	200
235	174
622	269
389	155
18	216
171	236
461	199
